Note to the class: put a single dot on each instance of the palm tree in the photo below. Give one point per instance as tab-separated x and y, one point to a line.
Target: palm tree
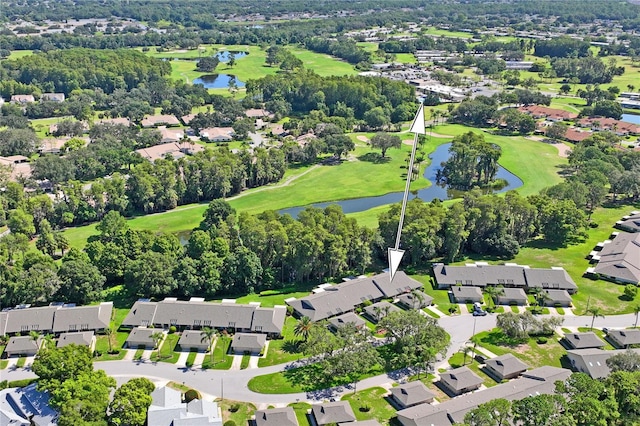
208	335
303	328
636	310
417	297
595	312
48	341
494	292
110	333
466	351
157	338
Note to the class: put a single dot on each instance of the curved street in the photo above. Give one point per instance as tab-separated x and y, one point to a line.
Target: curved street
232	384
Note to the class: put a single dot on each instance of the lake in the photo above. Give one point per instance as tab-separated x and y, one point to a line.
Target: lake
217	81
427	194
631	118
224	55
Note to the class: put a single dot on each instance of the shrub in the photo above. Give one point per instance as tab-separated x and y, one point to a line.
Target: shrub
365	408
232	409
593	224
289	310
172	329
630	291
190	395
541	340
229	423
4	384
21	383
367	303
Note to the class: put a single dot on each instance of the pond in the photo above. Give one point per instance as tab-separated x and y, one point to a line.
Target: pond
427	194
631	118
217	81
224	55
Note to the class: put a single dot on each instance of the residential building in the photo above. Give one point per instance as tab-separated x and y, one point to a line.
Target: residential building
53	97
196	314
258	113
619	259
466	294
284	416
587	340
81	338
82	318
505	367
560	298
22	99
167	409
170	135
593	361
248	342
513	296
624	338
519	65
217	134
551	114
160	120
333	412
23	346
332	300
554	278
141	337
416	299
460	380
25	319
412	393
173	149
379	310
348	318
630	223
535	382
26	407
193	339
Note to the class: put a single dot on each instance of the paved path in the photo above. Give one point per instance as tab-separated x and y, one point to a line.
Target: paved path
237	361
459	327
199	359
182	359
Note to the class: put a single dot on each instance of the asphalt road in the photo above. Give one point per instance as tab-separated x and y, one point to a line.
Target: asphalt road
233	384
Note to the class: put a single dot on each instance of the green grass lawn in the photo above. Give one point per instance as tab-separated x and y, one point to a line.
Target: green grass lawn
3	364
191	358
221	361
21	361
370	404
458	360
529	351
138	354
167	351
282	350
102	341
245	361
15	54
301	408
236	411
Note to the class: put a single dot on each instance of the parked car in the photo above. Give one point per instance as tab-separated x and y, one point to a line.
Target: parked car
479	313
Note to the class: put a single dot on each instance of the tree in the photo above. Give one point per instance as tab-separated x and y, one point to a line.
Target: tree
376	118
46	243
630	291
87	395
628	360
157	338
21	222
111	334
150	275
591	402
339	144
131	402
217	212
492	413
384	141
208	335
232	60
81	281
208	64
595	312
556	131
112	226
494	292
54	366
542	410
466	351
303	328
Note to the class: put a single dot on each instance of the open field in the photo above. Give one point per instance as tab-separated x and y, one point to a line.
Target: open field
529	351
370	404
15	54
282	350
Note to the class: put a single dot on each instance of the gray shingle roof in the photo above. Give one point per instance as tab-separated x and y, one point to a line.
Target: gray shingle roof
412	393
141	336
248	342
621	258
583	340
140	314
21	320
192	339
284	416
401	284
538	381
347	318
625	337
558	296
83	338
460	378
513	294
410	301
479	275
269	320
463	292
384	307
557	279
631	223
593	361
362	423
22	343
506	365
82	318
333	412
337	299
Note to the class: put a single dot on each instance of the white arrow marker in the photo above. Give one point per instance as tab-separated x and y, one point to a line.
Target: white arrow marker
395	253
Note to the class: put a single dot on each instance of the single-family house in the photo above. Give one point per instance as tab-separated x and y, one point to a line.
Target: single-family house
466	294
193	339
22	99
416	299
217	134
513	296
348	318
186	119
248	342
258	113
284	416
52	146
412	393
26	407
551	114
505	367
586	340
167	409
141	337
535	382
53	97
175	150
619	260
23	346
624	338
159	120
80	338
379	310
333	412
170	135
460	380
